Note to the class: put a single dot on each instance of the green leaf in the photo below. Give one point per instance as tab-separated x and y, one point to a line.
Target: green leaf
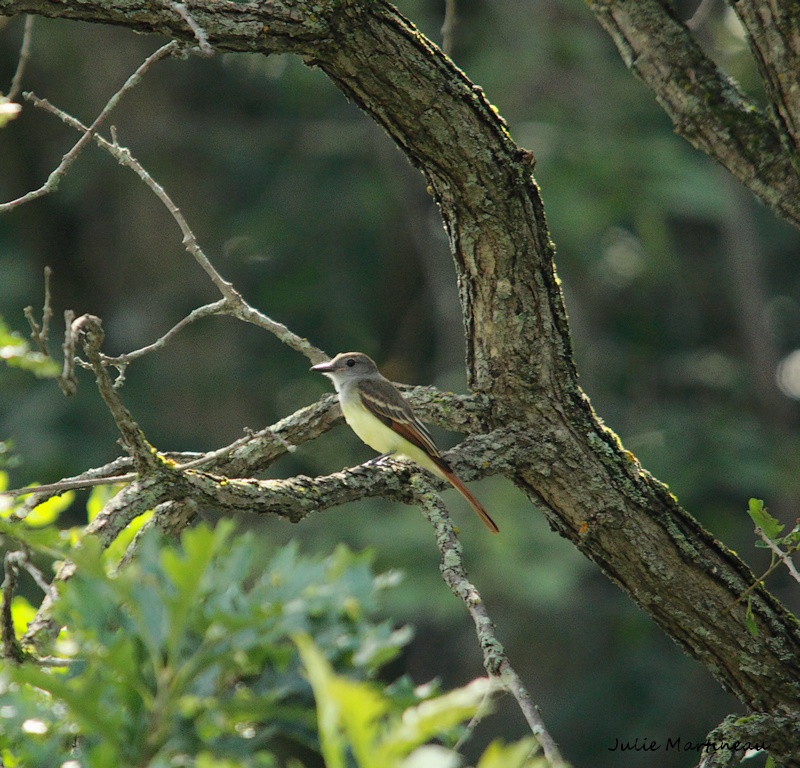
762	519
16	352
435	716
49	511
329	714
520	754
187	651
46	540
22	613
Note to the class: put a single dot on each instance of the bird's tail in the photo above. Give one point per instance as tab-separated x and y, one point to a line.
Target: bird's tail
456	482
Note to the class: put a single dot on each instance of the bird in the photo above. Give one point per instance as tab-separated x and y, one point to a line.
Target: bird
378	413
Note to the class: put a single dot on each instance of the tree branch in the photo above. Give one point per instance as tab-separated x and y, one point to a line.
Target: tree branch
22	62
773	32
519	351
90	329
55	177
232	303
706	107
495	660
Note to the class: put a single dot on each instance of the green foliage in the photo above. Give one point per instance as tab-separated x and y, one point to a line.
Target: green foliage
33	528
16	353
763	519
357	720
781	547
201	654
771	529
188	652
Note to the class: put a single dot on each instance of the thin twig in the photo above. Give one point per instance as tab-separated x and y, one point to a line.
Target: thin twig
234	305
37	575
72	484
40	333
90	330
196	314
66	380
125	158
200	34
24	55
207	458
13	561
55	176
780	557
84	481
495	660
784	557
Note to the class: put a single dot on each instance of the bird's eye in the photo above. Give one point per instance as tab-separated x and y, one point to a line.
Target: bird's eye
350	362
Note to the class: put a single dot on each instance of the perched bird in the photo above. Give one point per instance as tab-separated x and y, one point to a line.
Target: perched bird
381	417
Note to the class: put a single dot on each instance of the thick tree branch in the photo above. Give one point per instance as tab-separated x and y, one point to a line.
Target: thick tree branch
773	30
706	107
176	494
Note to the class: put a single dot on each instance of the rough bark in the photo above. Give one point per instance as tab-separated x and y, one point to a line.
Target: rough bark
709	109
519	357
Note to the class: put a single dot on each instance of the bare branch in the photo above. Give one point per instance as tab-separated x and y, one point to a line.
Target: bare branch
707	108
67	380
207	310
773	34
13	562
90	330
495	660
39	333
108	474
255	452
233	304
72	484
126	159
203	45
55	176
782	556
24	55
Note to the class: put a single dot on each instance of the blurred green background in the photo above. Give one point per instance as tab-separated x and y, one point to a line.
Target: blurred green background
683	295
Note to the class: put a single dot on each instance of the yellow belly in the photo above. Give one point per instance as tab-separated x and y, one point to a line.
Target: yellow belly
382	439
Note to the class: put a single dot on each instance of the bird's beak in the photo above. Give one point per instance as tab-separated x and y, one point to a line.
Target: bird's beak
323	367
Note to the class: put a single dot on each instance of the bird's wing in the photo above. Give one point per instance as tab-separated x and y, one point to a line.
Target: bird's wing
384	400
